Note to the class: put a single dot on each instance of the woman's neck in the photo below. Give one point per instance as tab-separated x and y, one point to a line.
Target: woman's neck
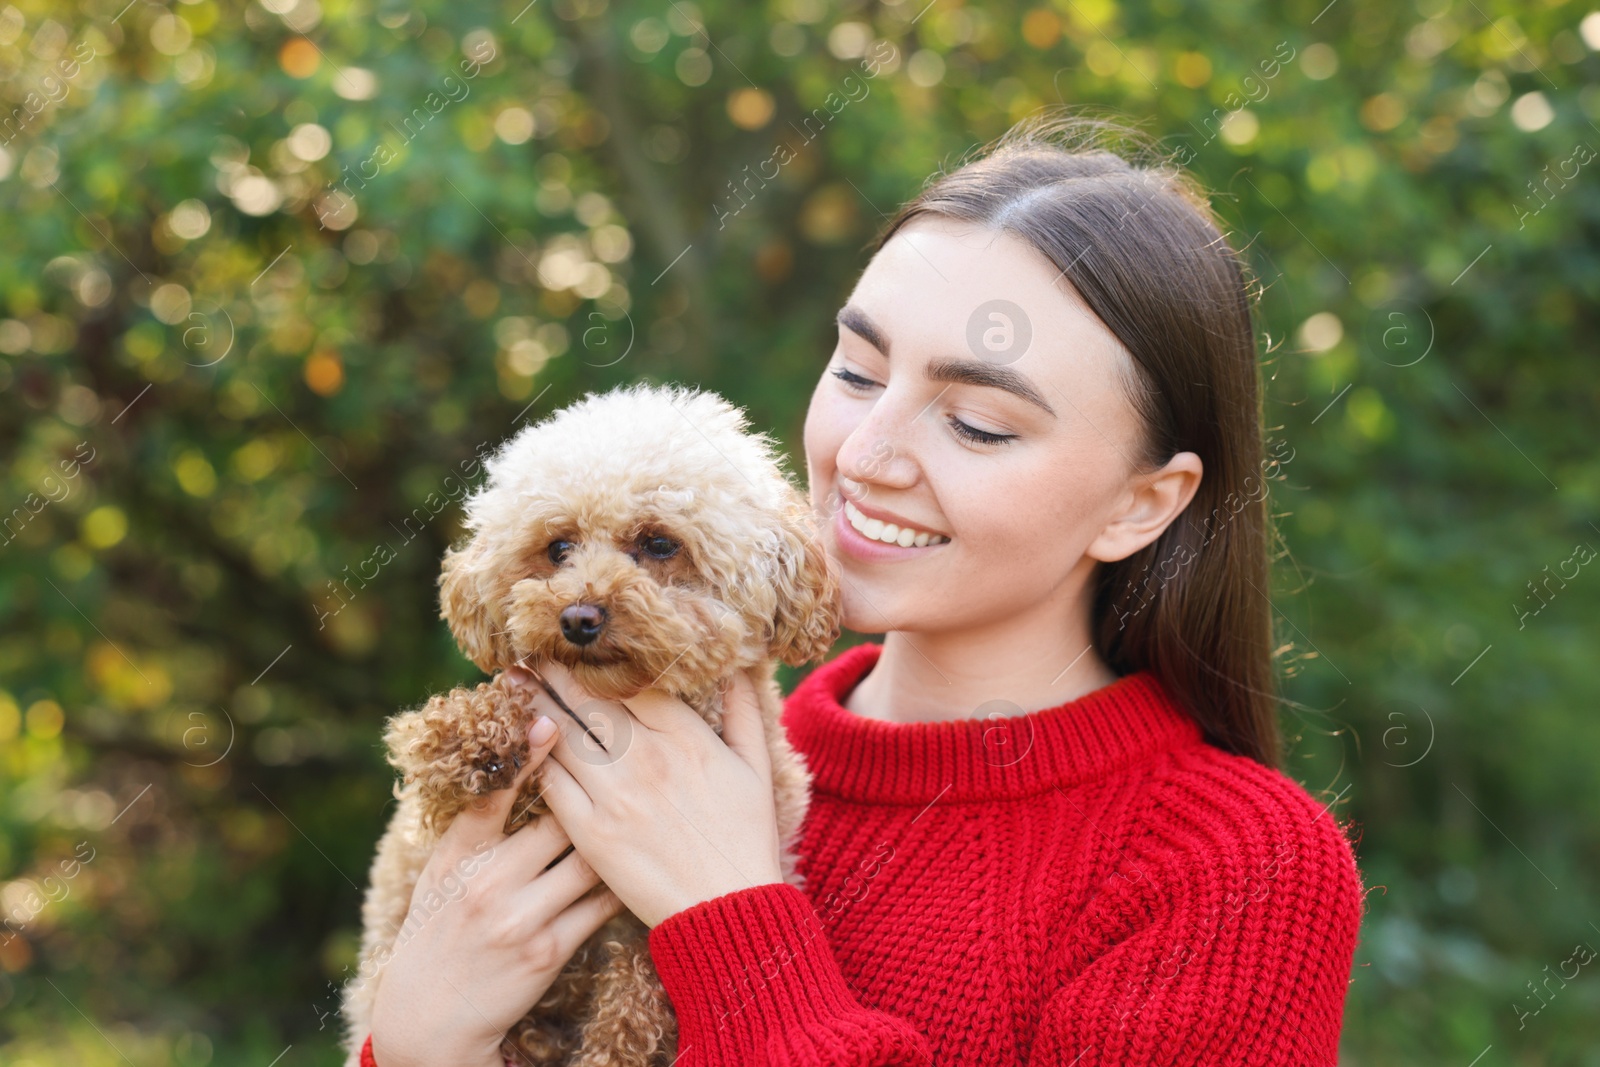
925	677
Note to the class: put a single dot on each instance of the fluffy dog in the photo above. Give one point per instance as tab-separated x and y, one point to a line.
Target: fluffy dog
642	538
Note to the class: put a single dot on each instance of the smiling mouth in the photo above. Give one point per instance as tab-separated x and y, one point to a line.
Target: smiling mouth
888	533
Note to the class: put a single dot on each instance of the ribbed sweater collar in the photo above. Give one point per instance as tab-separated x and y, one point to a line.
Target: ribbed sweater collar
1132	719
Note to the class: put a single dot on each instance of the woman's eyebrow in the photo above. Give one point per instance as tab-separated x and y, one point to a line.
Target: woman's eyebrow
982	372
959	371
855	320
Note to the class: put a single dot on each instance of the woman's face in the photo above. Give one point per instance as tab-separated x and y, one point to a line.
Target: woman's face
973	397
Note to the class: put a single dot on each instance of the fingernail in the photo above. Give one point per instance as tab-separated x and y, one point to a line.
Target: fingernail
543	730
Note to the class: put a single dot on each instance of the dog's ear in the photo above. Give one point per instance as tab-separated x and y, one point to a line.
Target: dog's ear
468	603
806	623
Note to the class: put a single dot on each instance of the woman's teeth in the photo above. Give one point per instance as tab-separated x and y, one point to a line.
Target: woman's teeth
888	532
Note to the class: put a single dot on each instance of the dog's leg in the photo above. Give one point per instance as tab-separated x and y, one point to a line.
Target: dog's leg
630	1023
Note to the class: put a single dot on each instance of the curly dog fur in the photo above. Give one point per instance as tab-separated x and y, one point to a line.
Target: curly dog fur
642	538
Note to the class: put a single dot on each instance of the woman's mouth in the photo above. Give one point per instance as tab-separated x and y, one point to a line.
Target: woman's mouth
874	540
888	532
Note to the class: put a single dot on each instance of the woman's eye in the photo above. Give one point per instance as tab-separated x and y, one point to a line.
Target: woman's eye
852	380
982	437
558	551
856	382
660	547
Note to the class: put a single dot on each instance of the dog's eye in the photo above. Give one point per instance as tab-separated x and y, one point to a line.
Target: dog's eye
558	551
659	547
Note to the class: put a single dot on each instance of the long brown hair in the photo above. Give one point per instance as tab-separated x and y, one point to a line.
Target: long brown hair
1137	238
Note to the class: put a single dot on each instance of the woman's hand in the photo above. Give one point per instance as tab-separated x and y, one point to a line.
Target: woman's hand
505	929
667	813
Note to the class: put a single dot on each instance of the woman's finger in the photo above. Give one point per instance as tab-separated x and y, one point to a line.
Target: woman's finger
553	891
599	730
536	846
742	728
564	794
659	710
579	922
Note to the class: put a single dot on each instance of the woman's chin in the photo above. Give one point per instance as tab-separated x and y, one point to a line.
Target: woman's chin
864	611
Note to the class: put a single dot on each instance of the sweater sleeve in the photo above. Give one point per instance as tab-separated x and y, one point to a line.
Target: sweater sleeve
1237	961
754	983
368	1061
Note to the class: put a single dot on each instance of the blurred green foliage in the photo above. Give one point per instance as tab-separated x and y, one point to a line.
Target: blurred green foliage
270	274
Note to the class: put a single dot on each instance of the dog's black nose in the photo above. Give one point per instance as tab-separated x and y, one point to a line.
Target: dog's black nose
582	623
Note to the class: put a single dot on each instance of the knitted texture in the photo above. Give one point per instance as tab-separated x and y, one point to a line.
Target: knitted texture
1086	884
1090	884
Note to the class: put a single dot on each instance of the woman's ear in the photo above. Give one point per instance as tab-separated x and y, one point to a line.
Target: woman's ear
1155	500
808	616
468	603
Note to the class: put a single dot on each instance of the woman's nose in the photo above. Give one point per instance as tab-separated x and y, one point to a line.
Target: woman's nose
880	449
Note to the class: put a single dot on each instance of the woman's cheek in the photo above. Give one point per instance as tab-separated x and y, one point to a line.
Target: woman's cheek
819	458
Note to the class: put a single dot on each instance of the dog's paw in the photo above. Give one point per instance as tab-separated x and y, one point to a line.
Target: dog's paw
460	745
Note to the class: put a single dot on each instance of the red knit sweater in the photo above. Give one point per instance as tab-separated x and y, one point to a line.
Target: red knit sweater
1087	884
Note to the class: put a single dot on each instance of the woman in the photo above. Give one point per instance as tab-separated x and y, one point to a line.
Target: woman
1047	824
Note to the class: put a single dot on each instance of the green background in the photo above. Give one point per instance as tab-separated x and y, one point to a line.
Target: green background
219	405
